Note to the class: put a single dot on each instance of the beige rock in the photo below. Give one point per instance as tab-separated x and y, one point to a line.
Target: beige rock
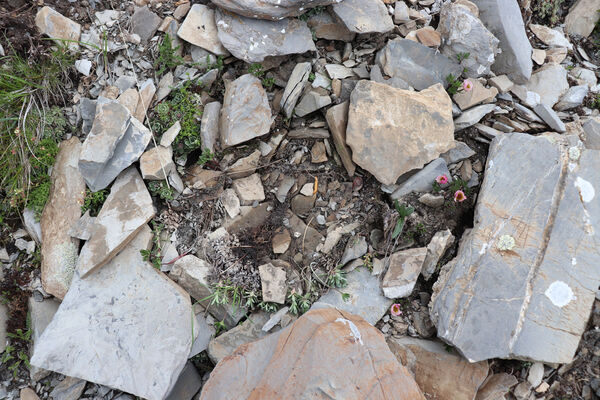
470	5
337	119
231	202
501	82
550	37
392	131
169	136
428	36
129	99
200	178
440	242
441	374
57	26
281	241
403	272
318	153
326	27
272	279
479	94
200	29
157	163
28	394
249	189
147	91
319	350
496	386
63	209
539	56
582	17
244	166
126	210
556	55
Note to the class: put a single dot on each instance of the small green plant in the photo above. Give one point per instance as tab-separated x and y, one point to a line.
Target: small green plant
462	56
299	304
548	10
368	261
205	157
162	190
256	69
346	297
337	278
154	254
313	11
93	201
168	58
268	83
217	65
460	184
267	306
403	212
21	335
312	77
220	327
595	102
454	85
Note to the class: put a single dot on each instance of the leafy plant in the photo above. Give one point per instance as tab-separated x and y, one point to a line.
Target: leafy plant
337	278
168	58
454	84
548	10
154	254
217	65
299	304
313	11
403	212
205	157
93	201
161	189
312	77
462	56
268	83
220	327
256	69
268	306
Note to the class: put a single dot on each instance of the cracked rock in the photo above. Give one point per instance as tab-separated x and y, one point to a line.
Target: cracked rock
271	10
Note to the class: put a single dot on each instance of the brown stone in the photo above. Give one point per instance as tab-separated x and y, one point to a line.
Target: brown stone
28	394
272	279
429	37
157	163
392	131
477	95
57	26
129	99
200	178
337	119
323	350
147	91
63	209
496	386
318	153
281	241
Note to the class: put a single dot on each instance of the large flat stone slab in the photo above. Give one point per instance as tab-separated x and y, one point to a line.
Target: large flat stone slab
126	326
199	29
524	280
126	210
62	211
392	131
364	16
271	9
57	26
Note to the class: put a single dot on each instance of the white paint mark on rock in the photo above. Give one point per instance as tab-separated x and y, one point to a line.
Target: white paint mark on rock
559	293
354	332
586	190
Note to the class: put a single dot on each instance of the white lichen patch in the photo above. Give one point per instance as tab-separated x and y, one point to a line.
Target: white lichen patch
574	153
506	242
559	293
586	190
354	332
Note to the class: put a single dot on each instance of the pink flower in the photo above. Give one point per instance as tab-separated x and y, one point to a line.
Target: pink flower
467	85
442	179
396	310
459	196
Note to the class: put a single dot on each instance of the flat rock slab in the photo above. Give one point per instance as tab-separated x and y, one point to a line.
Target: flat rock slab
248	331
252	40
200	29
392	131
318	352
416	64
62	211
57	26
582	18
294	87
126	210
535	231
271	9
550	82
337	121
403	272
364	16
125	314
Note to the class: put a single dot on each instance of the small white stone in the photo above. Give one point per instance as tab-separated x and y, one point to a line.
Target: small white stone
83	66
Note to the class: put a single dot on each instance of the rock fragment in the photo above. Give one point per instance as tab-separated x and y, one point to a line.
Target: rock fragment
249	189
364	16
145	23
274	287
472	116
403	272
157	163
550	82
436	248
550	117
337	120
582	18
55	25
209	127
294	87
270	10
200	29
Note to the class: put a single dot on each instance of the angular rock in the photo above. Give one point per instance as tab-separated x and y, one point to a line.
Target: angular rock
271	10
432	200
365	297
403	272
315	352
249	189
534	231
584	76
550	82
57	26
281	242
429	37
28	394
68	389
40	314
592	133
274	287
550	37
204	331
392	131
246	113
87	110
308	238
71	344
496	386
62	210
472	116
145	23
147	90
572	98
188	384
125	212
460	152
364	16
199	178
550	117
294	87
200	29
355	248
535	374
157	163
582	18
244	166
337	71
440	242
209	127
478	94
418	65
440	373
252	217
501	82
422	181
463	33
169	136
129	99
252	40
326	27
231	202
337	120
311	102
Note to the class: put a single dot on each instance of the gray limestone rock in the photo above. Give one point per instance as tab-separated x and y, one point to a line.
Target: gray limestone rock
534	232
209	127
199	28
591	129
572	98
403	272
124	314
57	26
40	314
157	163
294	87
422	181
364	16
205	332
271	9
68	389
416	64
188	384
440	242
325	26
31	225
145	23
472	116
311	102
87	111
550	117
460	152
503	18
252	40
355	248
550	82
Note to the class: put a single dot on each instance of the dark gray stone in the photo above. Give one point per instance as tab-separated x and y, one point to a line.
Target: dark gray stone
145	23
271	10
423	180
364	16
550	117
187	385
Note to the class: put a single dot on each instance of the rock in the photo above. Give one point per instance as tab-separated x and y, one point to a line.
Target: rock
70	344
126	210
308	189
550	82
264	368
403	271
337	120
68	389
157	163
191	273
271	10
550	37
432	200
556	55
244	166
535	374
527	97
472	116
281	241
231	202
308	238
311	102
129	99
249	189
294	87
169	136
429	37
326	27
336	71
522	390
200	29
199	178
308	133
31	225
302	205
62	210
584	76
275	319
165	86
57	26
582	18
188	384
441	374
539	56
246	113
503	18
248	331
40	314
422	181
479	94
355	248
272	279
592	134
147	90
537	277
463	33
388	150
572	98
87	110
83	66
550	117
458	153
209	127
145	23
318	153
3	326
28	394
252	218
496	386
364	16
502	83
396	82
365	297
252	40
284	187
436	248
418	65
